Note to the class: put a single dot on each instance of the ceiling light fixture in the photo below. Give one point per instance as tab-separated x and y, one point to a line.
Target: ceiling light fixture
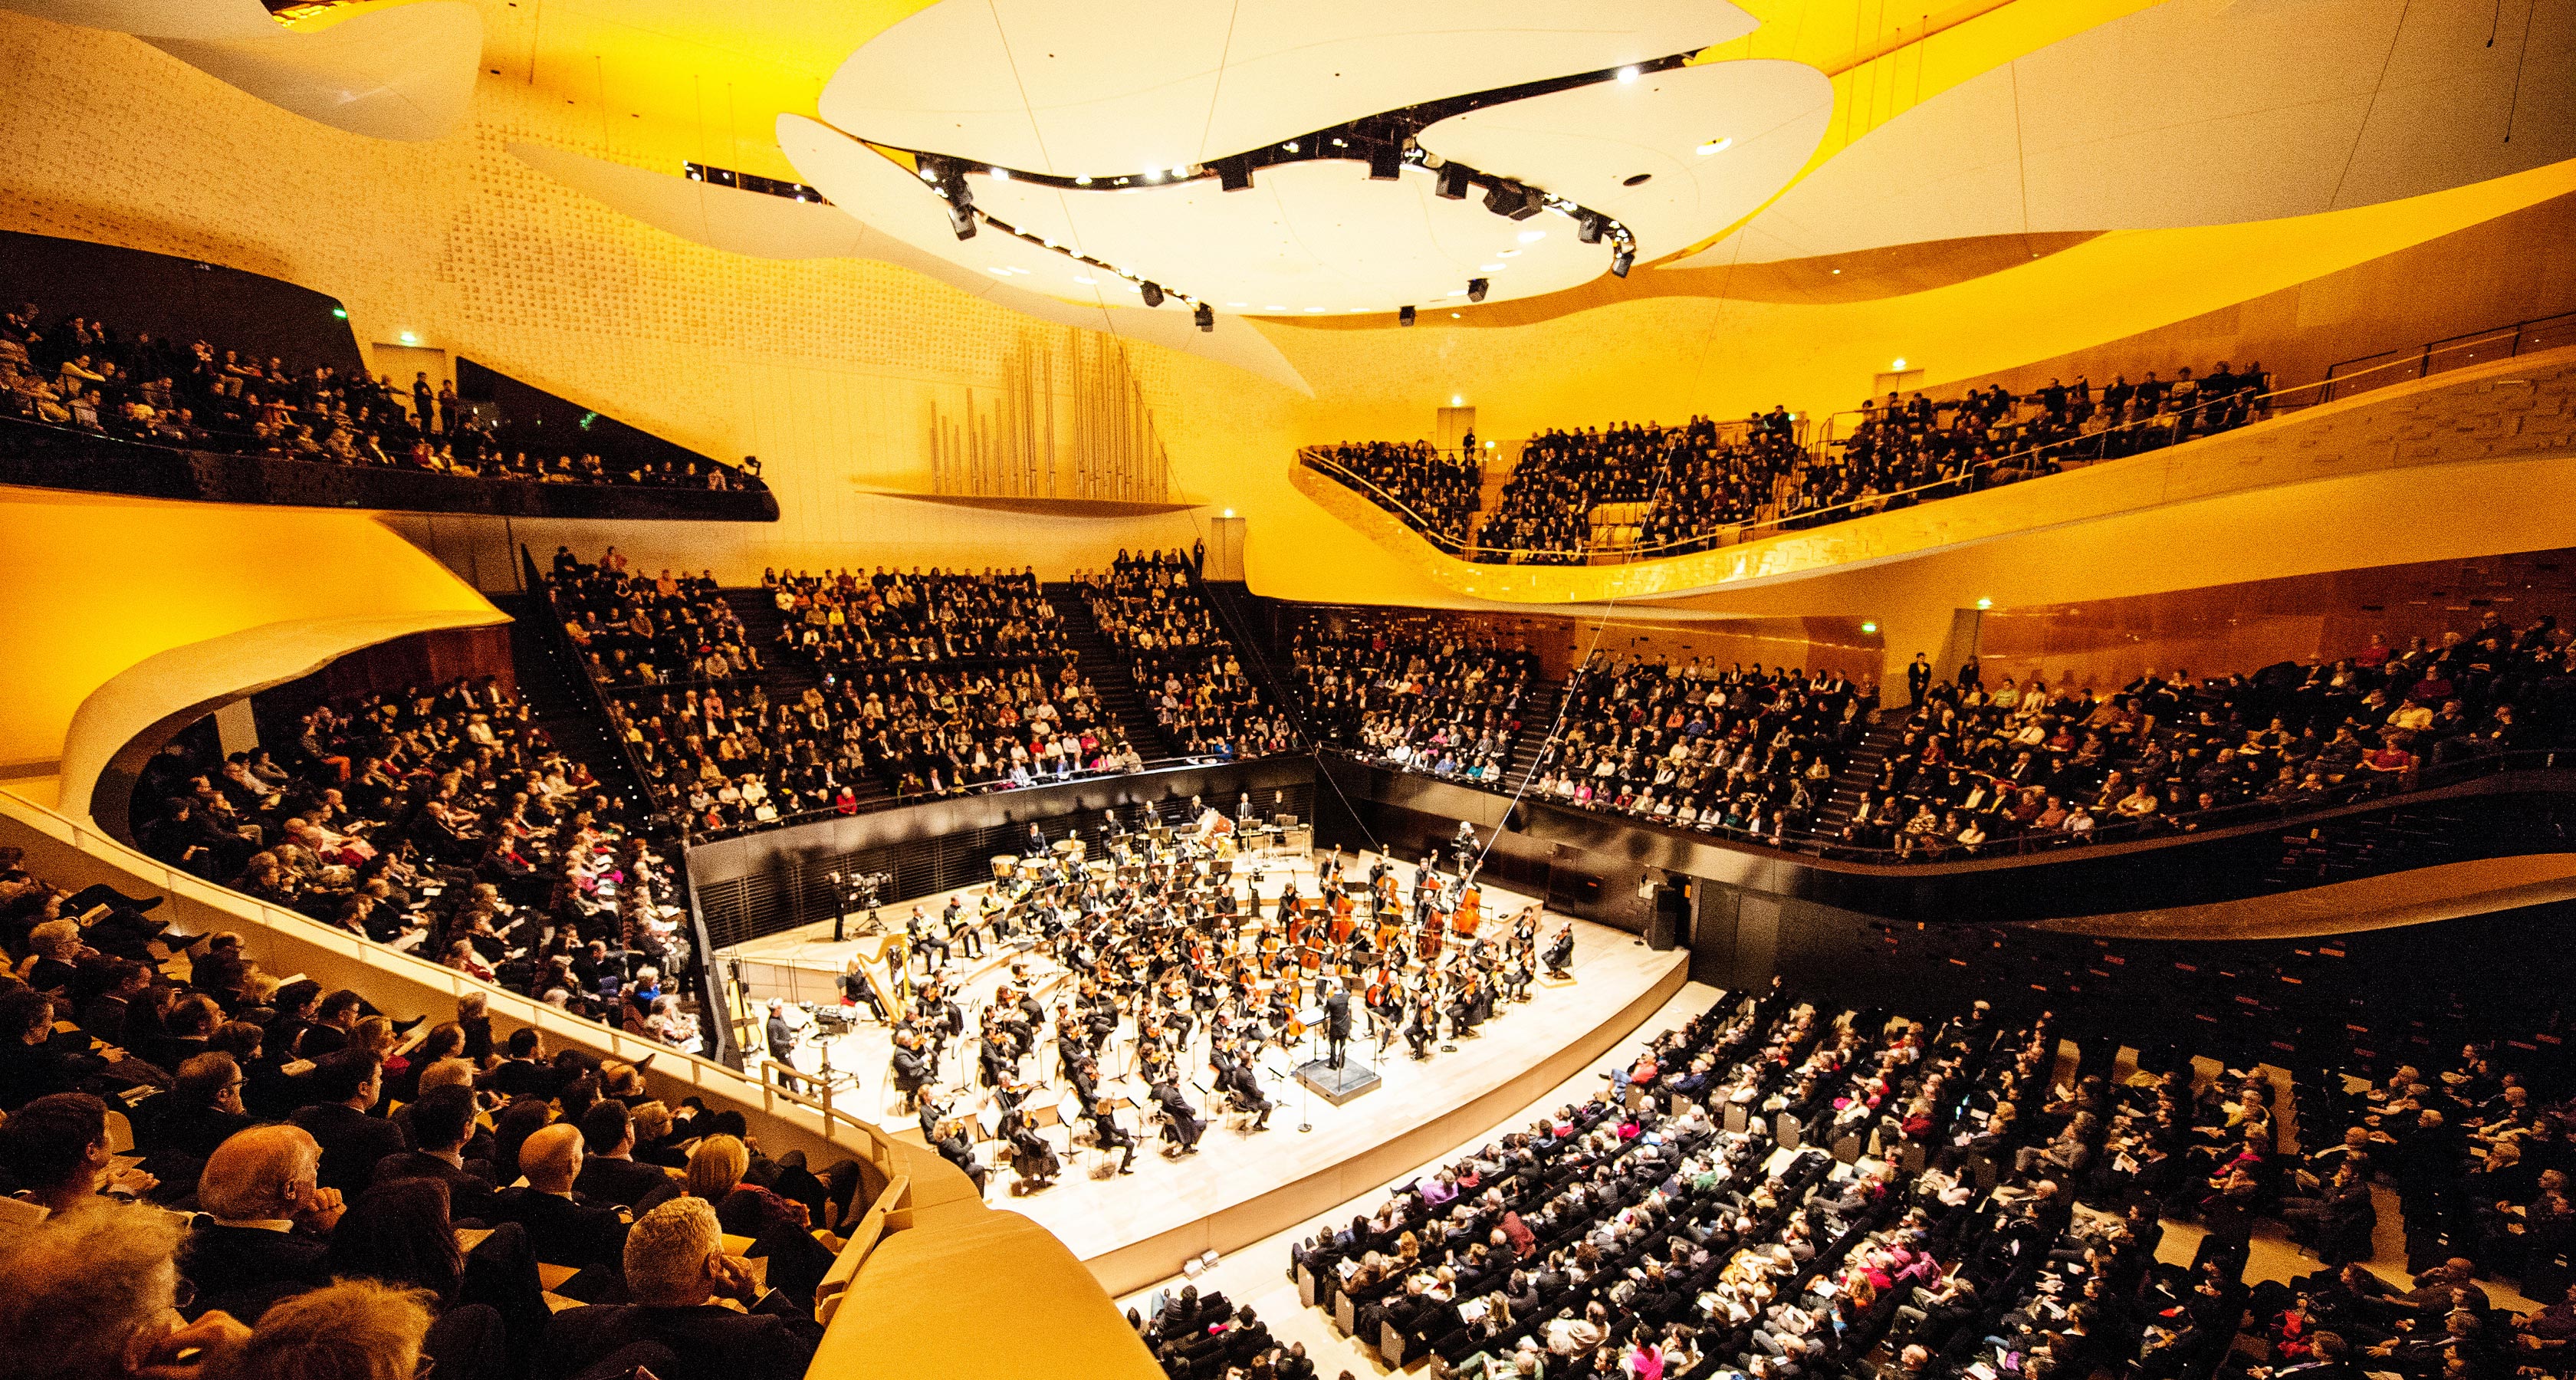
1715	146
1205	317
1476	289
1532	236
1587	229
1001	174
1453	182
1505	199
1627	74
1153	294
411	337
1404	316
962	220
1457	400
1083	181
1151	175
1386	162
1453	316
1622	261
1900	364
1234	175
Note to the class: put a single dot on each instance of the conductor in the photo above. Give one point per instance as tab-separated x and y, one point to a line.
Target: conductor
1337	1023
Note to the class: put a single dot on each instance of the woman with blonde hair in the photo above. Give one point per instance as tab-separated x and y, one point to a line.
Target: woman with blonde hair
778	1227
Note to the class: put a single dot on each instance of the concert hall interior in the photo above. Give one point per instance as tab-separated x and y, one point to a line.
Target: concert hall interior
1705	690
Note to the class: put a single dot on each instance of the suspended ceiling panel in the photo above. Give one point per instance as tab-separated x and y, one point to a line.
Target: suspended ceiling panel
2200	112
1007	273
1117	86
402	71
1760	122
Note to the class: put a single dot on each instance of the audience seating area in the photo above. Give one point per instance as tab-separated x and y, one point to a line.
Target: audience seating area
1811	762
833	692
1420	693
443	824
1975	769
200	1159
84	376
1635	492
1152	611
1771	1193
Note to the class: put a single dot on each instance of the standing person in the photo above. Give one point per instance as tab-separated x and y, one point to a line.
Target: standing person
1337	1023
782	1044
1918	680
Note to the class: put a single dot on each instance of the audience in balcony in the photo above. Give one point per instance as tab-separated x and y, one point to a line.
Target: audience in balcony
1433	492
78	373
1150	609
1693	480
1979	767
1423	693
443	824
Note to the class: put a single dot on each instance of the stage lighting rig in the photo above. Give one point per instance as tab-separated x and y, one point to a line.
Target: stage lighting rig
1476	289
1404	316
1153	294
1204	316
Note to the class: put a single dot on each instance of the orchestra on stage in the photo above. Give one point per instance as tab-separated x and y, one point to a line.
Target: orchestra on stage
1161	963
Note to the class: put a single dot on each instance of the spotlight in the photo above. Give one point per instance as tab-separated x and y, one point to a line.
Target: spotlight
962	220
1475	289
1234	175
1404	316
1504	199
1386	162
1153	294
1588	228
1205	317
1453	182
1621	262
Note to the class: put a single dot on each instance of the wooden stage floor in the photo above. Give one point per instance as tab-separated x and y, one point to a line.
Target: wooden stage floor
1242	1185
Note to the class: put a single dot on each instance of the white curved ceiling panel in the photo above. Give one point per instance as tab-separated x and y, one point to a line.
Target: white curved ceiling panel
406	72
719	217
401	72
1116	86
1586	143
2199	112
902	223
199	19
1307	238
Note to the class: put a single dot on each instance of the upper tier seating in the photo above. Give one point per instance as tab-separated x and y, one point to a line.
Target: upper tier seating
81	374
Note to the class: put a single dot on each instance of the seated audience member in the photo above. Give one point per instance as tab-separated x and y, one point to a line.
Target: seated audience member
264	1223
344	1087
609	1173
675	1264
90	1295
563	1227
355	1329
441	1124
489	1302
204	1108
54	1151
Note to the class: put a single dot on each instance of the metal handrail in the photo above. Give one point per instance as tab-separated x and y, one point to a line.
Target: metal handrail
1828	847
2324	390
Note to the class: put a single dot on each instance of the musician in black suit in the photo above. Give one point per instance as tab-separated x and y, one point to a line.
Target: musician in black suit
949	1139
1560	953
1234	1075
1417	1032
912	1070
782	1044
1181	1125
1337	1023
675	1263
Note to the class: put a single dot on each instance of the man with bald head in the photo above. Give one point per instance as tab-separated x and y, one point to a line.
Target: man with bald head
564	1228
266	1221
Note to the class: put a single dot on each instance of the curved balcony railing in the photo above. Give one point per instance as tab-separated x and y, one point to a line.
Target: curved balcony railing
45	456
2138	436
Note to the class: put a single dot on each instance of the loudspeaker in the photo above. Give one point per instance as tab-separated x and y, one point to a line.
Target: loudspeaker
1672	906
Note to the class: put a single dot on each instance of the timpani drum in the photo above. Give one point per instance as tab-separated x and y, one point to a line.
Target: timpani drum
1004	866
1032	868
1071	850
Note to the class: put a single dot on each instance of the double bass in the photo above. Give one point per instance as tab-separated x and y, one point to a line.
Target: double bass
1470	912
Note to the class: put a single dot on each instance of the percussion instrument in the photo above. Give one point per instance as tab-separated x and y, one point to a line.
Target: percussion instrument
1004	865
1072	849
1032	868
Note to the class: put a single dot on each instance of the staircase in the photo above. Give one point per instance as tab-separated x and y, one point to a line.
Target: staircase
1121	698
1252	630
761	622
1853	781
2366	845
552	684
1539	706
